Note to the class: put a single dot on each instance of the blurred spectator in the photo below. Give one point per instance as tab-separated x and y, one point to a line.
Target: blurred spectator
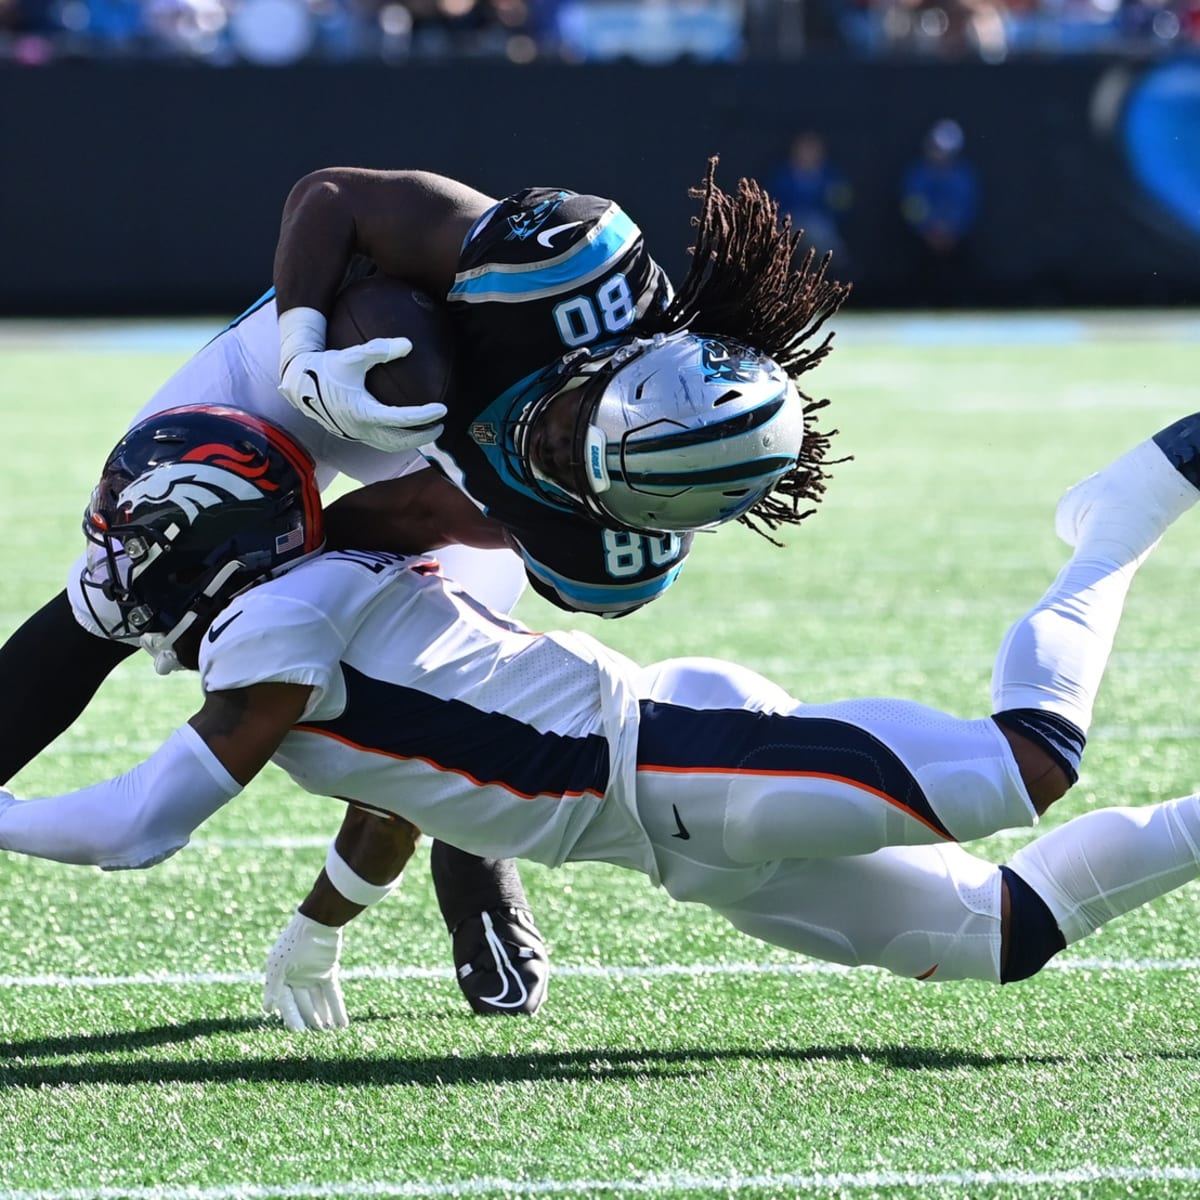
26	31
949	28
276	32
995	30
815	194
651	31
940	205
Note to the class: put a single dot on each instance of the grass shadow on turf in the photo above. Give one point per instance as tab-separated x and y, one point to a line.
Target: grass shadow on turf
324	1065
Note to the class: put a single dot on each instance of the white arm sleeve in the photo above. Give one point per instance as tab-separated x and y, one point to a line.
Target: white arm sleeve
135	820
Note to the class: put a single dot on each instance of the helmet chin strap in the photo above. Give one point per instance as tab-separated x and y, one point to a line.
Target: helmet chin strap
163	653
161	646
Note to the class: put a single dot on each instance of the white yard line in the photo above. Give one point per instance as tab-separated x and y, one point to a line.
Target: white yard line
181	979
835	1183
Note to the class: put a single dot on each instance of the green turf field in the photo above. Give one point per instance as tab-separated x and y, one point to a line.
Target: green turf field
675	1057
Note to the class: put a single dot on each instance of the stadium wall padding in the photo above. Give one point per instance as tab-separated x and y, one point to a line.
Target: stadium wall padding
155	188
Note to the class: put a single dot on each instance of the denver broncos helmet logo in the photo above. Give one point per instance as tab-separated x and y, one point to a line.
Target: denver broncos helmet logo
206	476
247	463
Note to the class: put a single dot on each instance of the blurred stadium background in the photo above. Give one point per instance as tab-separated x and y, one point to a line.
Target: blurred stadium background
147	145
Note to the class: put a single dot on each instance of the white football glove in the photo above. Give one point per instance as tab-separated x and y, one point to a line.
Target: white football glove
302	977
329	386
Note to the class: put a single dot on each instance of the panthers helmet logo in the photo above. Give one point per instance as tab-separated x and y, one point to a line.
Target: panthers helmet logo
729	363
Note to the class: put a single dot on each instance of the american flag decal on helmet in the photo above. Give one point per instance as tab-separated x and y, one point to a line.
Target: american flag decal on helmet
289	541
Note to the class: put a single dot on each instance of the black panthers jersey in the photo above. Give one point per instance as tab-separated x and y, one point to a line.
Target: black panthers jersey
543	273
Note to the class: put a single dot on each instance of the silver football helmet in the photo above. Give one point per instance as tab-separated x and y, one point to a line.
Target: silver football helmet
672	433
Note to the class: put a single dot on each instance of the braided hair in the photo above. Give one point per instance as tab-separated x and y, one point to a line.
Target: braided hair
743	284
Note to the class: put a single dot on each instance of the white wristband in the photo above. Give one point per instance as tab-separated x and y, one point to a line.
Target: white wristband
301	331
352	885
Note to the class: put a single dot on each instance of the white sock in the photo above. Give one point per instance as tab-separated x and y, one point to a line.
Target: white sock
1112	861
1055	656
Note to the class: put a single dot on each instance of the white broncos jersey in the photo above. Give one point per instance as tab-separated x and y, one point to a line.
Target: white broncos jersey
427	705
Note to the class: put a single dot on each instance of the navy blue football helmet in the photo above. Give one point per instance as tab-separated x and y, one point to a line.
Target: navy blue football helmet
194	504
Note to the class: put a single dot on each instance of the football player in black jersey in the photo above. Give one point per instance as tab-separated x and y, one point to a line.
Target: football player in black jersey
597	416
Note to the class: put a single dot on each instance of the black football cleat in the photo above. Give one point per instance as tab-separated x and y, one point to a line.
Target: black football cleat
500	962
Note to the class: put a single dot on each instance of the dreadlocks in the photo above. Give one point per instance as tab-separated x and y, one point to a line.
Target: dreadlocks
744	285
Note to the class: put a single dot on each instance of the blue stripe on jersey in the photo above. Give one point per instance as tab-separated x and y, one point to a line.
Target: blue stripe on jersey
672	737
529	281
593	595
265	298
499	417
487	747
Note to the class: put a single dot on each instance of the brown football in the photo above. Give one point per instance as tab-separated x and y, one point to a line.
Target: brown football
380	306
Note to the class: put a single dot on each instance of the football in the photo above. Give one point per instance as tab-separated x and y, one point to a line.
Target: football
380	306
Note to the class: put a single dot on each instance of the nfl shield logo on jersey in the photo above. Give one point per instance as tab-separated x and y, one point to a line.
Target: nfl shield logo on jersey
483	433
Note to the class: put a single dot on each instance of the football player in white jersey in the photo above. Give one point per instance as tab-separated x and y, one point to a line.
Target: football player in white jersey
829	829
64	640
590	423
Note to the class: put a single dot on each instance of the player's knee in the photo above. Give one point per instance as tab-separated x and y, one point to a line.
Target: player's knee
1048	750
1044	779
1030	935
953	923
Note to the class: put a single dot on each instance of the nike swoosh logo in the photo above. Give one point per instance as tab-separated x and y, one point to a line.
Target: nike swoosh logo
683	833
546	237
332	425
215	631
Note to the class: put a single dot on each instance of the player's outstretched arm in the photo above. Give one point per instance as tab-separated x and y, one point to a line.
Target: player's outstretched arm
147	814
364	864
411	224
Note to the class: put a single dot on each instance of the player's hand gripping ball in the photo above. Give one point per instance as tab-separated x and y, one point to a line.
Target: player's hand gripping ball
376	371
380	306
